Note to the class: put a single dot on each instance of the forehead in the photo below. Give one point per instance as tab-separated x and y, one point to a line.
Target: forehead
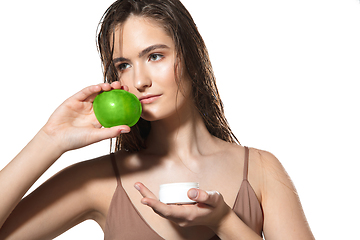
138	33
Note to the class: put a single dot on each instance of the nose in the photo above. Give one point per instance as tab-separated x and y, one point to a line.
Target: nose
142	80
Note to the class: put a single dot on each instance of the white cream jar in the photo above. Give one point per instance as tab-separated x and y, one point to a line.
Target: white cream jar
176	193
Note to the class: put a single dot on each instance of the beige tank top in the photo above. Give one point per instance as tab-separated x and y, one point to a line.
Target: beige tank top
124	222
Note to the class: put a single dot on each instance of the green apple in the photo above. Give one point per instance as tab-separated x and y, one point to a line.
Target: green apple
117	107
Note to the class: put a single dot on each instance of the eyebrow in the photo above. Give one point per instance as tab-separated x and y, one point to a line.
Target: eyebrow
142	53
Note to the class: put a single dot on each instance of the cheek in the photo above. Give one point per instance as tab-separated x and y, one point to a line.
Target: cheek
125	79
165	76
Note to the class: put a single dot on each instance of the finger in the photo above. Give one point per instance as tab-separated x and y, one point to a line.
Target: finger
124	87
158	207
151	200
105	86
87	92
144	191
116	85
211	198
106	133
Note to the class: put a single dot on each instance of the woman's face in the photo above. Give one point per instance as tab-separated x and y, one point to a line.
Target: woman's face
144	56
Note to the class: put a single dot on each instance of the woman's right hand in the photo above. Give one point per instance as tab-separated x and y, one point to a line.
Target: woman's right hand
74	125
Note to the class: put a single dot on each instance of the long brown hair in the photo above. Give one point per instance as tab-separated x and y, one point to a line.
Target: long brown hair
190	48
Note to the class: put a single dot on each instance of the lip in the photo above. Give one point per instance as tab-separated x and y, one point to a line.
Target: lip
149	98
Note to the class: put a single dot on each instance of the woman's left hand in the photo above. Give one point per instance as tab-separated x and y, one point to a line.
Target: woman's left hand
210	208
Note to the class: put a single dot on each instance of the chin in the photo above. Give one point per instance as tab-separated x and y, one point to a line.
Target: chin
148	117
166	111
151	117
158	115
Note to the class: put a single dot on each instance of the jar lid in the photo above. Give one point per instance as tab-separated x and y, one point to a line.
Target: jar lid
176	193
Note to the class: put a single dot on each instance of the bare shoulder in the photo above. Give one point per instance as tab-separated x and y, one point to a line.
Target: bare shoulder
279	199
79	192
93	180
272	171
267	162
268	169
87	172
98	180
261	163
263	168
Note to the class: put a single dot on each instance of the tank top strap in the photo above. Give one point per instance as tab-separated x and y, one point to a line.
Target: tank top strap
246	163
114	165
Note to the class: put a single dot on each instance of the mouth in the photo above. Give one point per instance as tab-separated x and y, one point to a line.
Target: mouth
149	98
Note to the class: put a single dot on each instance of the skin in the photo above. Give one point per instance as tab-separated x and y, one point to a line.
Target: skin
179	149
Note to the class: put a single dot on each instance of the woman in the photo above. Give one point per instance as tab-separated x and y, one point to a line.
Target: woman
152	49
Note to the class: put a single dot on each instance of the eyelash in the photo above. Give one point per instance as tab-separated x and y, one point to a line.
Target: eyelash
121	67
124	66
156	55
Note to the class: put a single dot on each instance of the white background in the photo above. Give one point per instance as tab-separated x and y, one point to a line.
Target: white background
288	73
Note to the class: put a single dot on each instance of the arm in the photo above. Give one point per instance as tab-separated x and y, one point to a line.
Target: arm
21	173
73	125
63	201
283	214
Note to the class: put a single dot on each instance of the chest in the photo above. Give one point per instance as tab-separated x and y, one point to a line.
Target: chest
226	180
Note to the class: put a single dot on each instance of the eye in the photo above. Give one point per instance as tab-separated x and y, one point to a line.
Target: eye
155	57
123	66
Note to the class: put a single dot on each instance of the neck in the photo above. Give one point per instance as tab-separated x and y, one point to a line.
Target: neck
181	135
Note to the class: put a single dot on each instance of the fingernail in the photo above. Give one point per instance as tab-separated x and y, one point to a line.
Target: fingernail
137	187
124	131
193	193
